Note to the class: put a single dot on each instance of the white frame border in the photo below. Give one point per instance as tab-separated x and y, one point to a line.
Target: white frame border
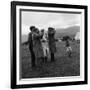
53	79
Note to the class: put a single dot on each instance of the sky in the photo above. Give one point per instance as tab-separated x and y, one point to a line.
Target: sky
44	20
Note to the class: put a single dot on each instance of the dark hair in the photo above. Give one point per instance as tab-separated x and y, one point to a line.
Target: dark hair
51	28
32	27
42	30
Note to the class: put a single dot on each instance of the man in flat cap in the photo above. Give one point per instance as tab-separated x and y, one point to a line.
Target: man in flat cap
30	40
52	42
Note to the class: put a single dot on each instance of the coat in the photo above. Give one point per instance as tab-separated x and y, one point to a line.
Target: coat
52	42
37	46
30	41
44	42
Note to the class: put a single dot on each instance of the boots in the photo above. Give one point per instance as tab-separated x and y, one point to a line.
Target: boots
45	59
52	57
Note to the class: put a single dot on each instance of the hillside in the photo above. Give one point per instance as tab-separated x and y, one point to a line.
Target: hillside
71	31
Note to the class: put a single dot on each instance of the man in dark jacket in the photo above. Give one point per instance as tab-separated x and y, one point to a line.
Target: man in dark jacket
31	46
52	42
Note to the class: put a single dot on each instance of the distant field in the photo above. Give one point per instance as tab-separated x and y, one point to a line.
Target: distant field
63	65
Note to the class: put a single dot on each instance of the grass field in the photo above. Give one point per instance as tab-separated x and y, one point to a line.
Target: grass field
63	65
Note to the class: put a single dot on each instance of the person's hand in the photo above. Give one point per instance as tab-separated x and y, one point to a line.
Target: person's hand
59	40
43	40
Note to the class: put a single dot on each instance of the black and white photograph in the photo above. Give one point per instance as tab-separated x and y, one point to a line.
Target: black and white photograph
50	44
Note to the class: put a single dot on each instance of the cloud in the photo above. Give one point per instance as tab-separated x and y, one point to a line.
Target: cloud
60	23
44	20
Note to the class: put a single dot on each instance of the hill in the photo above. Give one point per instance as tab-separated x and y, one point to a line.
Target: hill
71	31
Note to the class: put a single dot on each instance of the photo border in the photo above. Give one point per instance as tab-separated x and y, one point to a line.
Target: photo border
13	44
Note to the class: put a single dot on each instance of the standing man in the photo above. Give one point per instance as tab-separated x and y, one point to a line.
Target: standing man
52	42
31	45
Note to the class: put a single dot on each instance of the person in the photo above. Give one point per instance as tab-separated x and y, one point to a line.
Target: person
52	42
44	42
68	48
37	46
67	45
30	41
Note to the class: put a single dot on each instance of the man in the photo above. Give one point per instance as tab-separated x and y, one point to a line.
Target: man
31	45
52	42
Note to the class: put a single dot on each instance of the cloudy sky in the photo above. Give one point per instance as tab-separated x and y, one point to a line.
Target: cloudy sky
44	20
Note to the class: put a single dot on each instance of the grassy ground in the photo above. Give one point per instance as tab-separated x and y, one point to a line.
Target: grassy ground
63	65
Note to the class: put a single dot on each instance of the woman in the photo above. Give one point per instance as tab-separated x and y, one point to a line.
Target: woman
44	42
37	46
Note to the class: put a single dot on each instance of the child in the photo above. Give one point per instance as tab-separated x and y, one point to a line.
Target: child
68	47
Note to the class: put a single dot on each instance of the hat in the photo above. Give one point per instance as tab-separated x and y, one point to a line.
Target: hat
51	28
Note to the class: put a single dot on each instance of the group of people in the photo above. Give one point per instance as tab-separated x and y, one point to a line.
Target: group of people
42	45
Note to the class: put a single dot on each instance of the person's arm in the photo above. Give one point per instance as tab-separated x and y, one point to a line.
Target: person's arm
37	36
25	43
56	39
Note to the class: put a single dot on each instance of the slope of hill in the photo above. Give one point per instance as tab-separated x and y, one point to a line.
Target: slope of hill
24	38
68	31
